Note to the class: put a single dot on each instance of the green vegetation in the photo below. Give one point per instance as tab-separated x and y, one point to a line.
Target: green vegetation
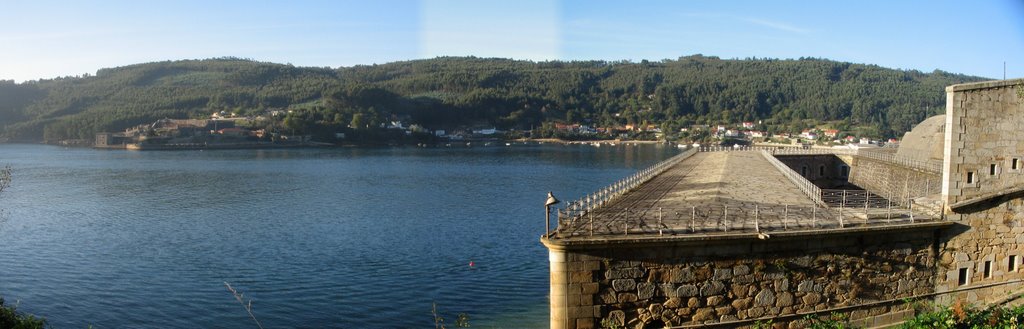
833	321
459	92
966	316
461	321
11	318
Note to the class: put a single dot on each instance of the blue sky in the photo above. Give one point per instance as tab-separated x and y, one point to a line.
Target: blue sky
51	38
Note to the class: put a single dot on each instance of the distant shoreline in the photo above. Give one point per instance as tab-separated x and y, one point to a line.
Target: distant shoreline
237	146
596	141
217	146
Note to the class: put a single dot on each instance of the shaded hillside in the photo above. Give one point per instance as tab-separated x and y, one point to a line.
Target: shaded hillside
454	92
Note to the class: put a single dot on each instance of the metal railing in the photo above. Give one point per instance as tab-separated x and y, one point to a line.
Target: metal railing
734	148
812	191
832	208
932	166
811	151
730	219
853	198
597	199
927	165
781	150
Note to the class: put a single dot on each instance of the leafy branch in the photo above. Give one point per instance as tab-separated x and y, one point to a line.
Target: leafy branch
462	321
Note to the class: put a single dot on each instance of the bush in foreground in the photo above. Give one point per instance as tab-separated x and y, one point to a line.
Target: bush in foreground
966	316
10	318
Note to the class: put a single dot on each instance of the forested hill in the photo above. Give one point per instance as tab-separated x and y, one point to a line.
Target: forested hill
452	92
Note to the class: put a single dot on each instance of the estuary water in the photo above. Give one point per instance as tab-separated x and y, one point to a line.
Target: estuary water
315	238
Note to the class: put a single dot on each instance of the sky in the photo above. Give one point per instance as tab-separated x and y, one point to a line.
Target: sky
42	39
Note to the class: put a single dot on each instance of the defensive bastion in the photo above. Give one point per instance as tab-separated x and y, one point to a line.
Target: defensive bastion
729	237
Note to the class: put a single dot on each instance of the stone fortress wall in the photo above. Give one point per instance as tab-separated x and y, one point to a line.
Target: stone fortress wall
983	186
824	170
899	183
983	139
731	283
924	142
974	254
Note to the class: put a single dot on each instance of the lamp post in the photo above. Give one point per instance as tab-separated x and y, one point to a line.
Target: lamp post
547	212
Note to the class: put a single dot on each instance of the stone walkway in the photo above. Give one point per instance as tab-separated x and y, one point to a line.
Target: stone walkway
714	178
710	192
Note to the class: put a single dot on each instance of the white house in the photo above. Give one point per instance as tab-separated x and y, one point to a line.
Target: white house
488	131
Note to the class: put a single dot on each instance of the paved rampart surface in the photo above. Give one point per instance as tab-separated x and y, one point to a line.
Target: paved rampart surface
721	192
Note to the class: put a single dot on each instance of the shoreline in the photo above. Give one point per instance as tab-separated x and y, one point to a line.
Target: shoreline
596	141
236	146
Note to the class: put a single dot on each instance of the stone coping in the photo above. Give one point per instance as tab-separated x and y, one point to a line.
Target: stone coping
978	199
576	243
984	85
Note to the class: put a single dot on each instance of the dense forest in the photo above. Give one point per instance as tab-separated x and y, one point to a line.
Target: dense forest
456	92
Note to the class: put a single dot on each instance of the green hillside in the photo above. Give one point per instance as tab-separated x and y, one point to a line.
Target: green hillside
454	92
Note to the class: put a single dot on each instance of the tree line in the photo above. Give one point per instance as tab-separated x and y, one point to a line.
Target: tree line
454	92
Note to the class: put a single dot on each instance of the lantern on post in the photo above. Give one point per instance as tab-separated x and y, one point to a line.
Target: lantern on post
547	212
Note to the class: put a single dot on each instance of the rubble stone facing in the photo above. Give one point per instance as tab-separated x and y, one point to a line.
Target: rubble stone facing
706	284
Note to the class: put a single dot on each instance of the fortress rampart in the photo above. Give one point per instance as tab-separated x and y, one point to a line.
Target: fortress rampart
733	237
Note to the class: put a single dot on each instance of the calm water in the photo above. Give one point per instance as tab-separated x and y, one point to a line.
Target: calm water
353	238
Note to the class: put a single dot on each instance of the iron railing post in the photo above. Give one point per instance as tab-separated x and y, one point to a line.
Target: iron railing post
660	225
591	224
726	215
693	217
757	226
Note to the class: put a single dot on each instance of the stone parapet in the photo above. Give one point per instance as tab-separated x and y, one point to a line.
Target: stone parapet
702	281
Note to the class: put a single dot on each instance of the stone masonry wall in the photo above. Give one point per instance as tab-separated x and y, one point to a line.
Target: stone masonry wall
735	280
993	234
984	122
924	141
824	170
981	258
892	181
